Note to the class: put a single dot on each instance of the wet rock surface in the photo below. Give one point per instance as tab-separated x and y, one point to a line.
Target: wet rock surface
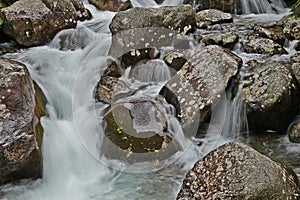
294	132
35	22
213	16
227	40
176	58
177	18
22	106
274	33
291	28
236	171
270	92
259	45
112	5
200	82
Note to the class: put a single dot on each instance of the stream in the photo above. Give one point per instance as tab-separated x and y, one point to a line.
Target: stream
68	72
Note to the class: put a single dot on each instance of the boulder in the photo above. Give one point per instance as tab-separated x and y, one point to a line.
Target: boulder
270	92
294	132
236	171
140	28
200	83
36	22
22	106
274	33
112	5
255	44
213	16
178	18
233	6
227	40
296	71
137	127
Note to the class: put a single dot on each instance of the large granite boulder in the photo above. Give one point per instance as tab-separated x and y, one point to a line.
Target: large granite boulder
236	171
22	106
200	83
227	40
112	5
213	16
271	97
36	22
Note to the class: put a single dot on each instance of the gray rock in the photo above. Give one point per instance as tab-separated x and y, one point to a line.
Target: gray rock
236	171
213	16
296	71
134	128
178	18
176	58
35	22
274	33
112	5
140	28
233	6
200	83
21	106
294	132
259	45
227	40
271	98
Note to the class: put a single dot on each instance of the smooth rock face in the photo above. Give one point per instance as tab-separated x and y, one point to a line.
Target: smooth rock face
200	83
270	96
35	22
236	171
227	40
262	46
112	5
20	130
213	16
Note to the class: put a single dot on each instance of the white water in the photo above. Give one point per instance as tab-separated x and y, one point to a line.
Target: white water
262	6
67	73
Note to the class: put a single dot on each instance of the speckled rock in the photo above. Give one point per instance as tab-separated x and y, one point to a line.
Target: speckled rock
274	33
178	18
259	45
227	40
176	58
200	83
136	127
140	28
213	16
35	22
294	132
291	28
296	71
20	130
270	93
112	5
236	171
232	6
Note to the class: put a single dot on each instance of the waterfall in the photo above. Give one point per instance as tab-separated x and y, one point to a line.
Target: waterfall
262	6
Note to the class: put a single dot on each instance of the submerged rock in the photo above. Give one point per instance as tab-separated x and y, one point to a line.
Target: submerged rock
259	45
227	40
36	22
112	5
271	97
236	171
200	83
20	130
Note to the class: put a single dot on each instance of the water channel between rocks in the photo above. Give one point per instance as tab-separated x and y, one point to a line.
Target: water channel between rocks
68	73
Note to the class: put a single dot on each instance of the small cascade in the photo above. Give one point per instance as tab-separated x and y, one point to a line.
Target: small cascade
262	6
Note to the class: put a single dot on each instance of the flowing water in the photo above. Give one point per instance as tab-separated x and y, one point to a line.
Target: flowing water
67	70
